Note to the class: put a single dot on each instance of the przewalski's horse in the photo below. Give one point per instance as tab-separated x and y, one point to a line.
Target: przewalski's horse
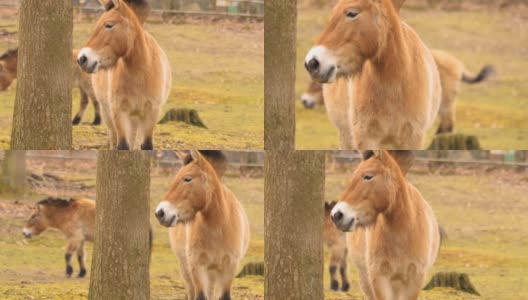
335	240
451	70
8	68
392	84
80	79
74	218
132	77
209	229
84	82
393	237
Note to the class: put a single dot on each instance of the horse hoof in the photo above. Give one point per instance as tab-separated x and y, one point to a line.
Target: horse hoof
334	285
76	120
97	121
345	287
123	145
82	273
69	271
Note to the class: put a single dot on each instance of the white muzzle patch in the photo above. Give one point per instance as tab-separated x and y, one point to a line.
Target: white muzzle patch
88	60
321	64
166	213
344	216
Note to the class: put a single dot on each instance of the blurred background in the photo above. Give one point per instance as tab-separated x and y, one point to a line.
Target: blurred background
34	268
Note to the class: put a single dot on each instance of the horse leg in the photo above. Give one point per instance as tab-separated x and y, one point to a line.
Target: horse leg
82	108
447	112
332	268
132	134
72	247
197	279
97	111
381	287
186	275
149	123
80	258
345	285
122	123
227	280
106	113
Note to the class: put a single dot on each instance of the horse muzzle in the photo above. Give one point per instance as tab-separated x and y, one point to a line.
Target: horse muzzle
27	233
320	65
88	60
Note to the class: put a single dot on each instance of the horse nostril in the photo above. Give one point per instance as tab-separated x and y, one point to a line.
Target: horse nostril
312	65
82	60
338	216
160	214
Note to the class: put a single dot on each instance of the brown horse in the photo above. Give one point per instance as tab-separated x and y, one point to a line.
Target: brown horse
209	229
393	237
81	80
451	70
8	68
132	77
74	218
392	80
335	240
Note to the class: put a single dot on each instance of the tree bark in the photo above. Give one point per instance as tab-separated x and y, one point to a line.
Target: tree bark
279	74
293	215
14	172
42	114
120	266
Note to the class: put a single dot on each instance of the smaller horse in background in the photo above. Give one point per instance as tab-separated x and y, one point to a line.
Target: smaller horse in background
8	73
75	218
208	228
335	240
393	236
313	96
8	68
86	91
132	76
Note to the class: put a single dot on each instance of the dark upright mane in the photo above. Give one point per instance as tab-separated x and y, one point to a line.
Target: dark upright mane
56	202
211	156
9	53
329	206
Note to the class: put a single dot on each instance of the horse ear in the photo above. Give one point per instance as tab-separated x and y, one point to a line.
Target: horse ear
181	155
404	158
397	4
117	3
103	4
196	156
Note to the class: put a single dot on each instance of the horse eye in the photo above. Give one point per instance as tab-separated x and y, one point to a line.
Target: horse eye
352	14
109	25
367	177
187	179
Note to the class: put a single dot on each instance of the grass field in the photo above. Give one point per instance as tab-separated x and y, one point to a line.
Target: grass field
495	111
34	269
486	223
217	69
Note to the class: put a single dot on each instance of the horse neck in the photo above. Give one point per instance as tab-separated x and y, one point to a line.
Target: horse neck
138	55
400	213
54	217
391	60
215	210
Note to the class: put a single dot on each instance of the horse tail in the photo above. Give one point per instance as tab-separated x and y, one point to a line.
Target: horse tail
484	73
443	236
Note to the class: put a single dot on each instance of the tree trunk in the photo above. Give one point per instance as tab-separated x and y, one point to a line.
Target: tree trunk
293	214
120	266
42	114
14	172
279	74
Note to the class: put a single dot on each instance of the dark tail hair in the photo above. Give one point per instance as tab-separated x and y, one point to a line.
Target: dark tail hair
443	236
486	71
